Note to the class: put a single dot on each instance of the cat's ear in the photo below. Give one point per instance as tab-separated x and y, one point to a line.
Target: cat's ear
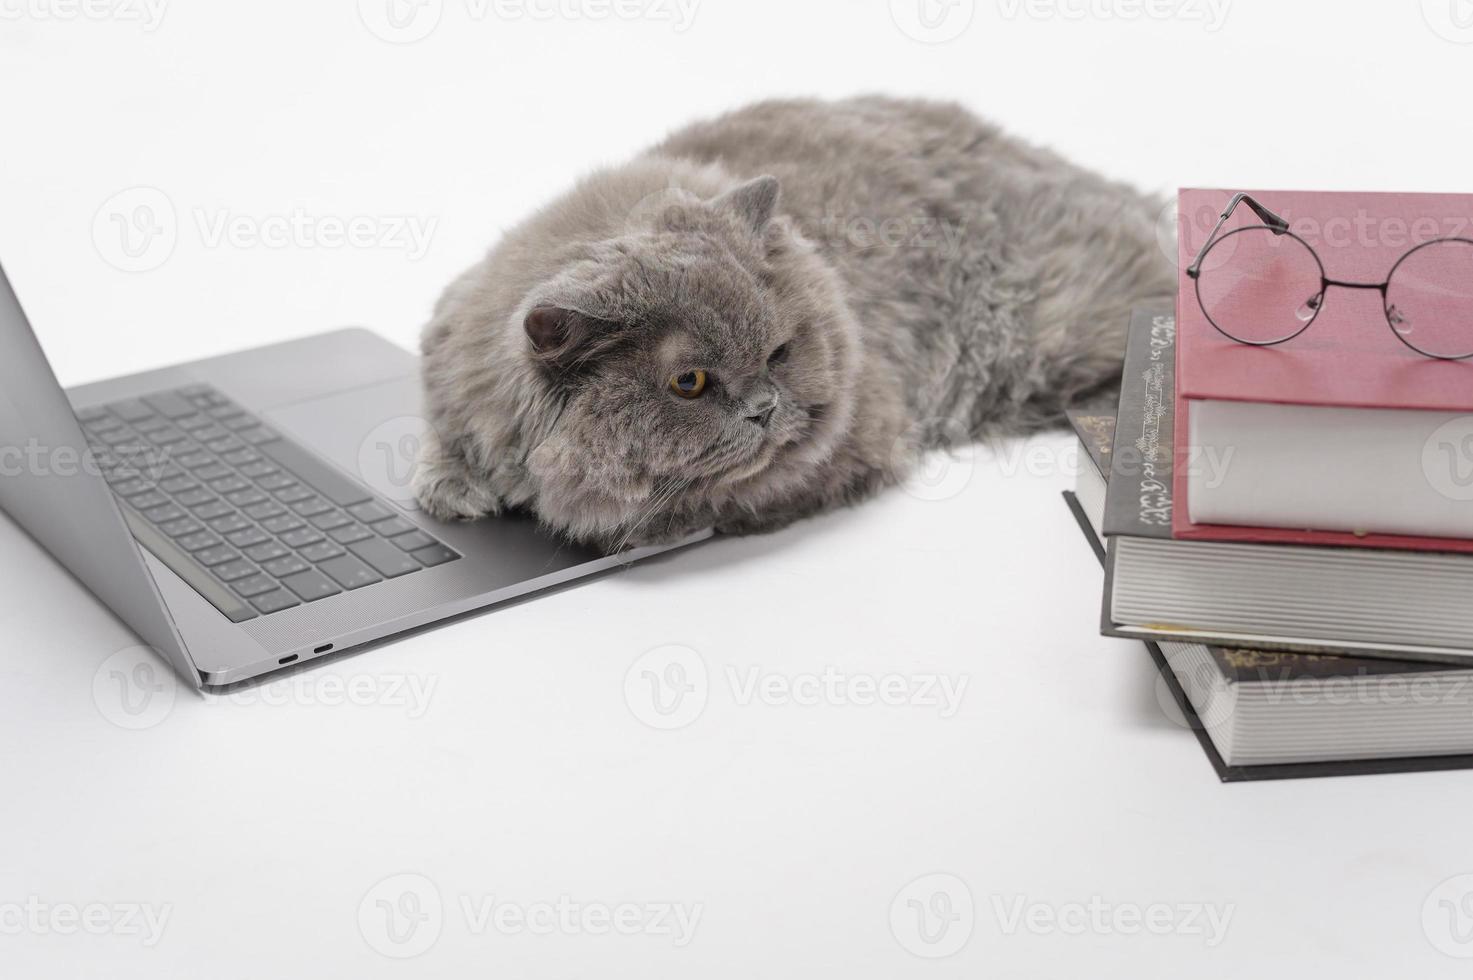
562	336
754	202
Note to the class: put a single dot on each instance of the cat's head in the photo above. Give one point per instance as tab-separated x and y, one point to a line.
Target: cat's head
700	363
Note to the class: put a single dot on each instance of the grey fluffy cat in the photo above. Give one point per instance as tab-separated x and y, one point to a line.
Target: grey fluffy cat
774	313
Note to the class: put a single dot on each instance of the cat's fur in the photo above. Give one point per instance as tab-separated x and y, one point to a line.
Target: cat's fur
933	281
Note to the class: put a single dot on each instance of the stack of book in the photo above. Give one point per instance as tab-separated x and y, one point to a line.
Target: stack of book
1290	528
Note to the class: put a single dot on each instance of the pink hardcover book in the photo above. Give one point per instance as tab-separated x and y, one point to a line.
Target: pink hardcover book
1343	434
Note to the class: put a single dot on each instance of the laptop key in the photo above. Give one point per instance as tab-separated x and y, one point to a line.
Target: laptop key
328	520
266	551
246	538
393	527
300	537
131	410
216	555
311	506
232	570
349	572
289	565
244	458
270	602
435	554
228	484
150	498
370	512
174	484
131	487
198	540
349	534
320	552
169	404
179	528
258	437
386	559
255	469
310	585
229	524
254	585
164	514
281	523
193	498
246	497
413	541
213	510
265	509
293	493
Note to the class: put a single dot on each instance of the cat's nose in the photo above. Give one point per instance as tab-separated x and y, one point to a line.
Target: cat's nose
763	415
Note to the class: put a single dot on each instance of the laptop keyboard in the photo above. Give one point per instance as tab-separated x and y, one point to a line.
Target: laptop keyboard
254	522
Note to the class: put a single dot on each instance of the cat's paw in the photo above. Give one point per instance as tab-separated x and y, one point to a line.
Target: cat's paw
449	492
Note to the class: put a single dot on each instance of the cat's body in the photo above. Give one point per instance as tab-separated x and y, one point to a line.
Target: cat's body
920	280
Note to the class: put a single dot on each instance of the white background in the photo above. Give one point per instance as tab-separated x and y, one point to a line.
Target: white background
265	824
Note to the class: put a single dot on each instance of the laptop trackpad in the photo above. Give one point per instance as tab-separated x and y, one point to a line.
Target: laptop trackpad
373	433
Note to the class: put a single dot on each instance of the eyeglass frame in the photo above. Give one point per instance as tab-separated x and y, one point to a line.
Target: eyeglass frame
1280	227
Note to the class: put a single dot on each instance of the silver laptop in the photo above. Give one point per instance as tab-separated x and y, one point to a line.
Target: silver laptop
250	512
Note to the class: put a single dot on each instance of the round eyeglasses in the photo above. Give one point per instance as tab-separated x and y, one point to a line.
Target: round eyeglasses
1264	285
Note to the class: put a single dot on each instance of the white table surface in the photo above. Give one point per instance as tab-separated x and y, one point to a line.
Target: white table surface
512	765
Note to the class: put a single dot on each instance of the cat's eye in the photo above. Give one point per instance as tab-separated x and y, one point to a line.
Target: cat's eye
778	356
689	385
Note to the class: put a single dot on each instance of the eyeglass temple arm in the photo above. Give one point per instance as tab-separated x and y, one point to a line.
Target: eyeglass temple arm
1275	224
